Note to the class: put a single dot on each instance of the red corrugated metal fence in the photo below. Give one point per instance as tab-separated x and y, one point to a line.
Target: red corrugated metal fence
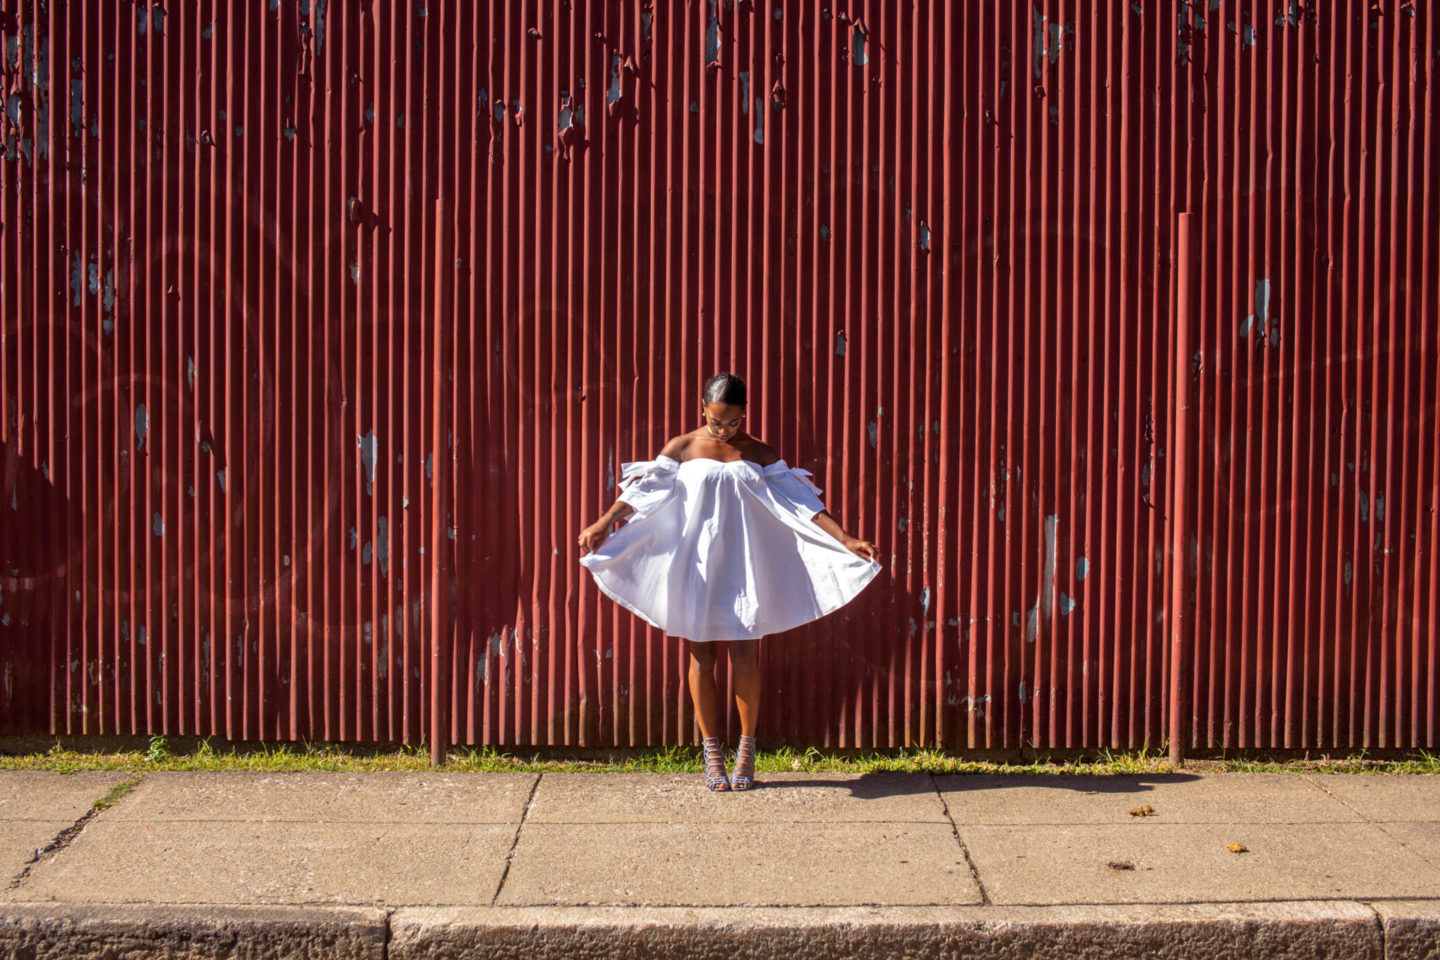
297	292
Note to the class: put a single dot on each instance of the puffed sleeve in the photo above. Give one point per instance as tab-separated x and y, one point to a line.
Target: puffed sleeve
793	490
647	484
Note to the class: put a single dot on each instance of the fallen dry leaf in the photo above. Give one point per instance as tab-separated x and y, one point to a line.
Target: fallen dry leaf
1121	865
1239	848
1145	811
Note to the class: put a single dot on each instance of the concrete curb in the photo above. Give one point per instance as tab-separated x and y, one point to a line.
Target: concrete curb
1334	930
1411	928
42	931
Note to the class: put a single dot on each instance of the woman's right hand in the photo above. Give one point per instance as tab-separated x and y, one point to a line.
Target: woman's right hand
593	536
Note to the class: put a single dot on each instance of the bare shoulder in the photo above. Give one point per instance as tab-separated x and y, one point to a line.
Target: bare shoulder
675	448
762	453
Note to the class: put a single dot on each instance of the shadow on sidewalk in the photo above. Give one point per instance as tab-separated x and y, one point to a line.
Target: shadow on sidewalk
874	786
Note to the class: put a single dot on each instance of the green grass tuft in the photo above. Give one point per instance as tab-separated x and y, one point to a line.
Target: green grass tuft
118	791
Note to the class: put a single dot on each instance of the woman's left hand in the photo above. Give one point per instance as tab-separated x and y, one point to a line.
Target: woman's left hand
863	548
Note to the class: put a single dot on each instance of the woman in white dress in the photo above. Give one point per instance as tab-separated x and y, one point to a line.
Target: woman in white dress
725	543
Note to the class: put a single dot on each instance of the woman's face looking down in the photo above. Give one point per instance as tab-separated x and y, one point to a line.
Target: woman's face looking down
722	420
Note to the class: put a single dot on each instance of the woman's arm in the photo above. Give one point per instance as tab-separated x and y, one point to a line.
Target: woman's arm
594	535
864	548
598	532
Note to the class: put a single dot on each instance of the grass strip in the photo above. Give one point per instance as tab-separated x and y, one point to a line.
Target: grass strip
298	757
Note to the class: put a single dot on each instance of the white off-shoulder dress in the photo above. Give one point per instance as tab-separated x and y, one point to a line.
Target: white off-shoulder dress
725	550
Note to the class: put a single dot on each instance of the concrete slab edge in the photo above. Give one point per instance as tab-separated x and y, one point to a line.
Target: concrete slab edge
1407	930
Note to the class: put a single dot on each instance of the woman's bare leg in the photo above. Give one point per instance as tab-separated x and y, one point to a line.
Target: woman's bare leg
745	663
702	686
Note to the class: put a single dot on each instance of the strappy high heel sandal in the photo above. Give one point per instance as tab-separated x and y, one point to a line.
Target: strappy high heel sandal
715	777
744	776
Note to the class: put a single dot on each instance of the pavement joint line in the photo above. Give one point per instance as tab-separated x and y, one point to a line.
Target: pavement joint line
1377	824
515	841
64	838
955	829
1382	824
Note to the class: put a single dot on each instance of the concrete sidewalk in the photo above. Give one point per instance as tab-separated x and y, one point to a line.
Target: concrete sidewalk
559	865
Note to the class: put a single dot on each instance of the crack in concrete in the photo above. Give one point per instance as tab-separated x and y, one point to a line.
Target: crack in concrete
67	836
515	842
955	829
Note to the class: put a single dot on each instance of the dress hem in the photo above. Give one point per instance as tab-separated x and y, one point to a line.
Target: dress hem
824	611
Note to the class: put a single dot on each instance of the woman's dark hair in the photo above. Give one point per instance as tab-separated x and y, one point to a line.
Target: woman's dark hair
724	388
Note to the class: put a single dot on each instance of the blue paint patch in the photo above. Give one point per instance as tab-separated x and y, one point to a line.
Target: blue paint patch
289	132
207	31
612	93
142	426
220	478
1067	604
159	15
744	91
857	47
159	525
382	545
320	24
75	280
1364	508
924	236
368	446
1290	17
77	106
1046	41
712	35
874	431
840	344
824	232
1261	316
759	120
142	19
1082	568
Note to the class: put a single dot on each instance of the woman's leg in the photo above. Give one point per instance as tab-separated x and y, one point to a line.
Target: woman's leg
745	664
702	686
